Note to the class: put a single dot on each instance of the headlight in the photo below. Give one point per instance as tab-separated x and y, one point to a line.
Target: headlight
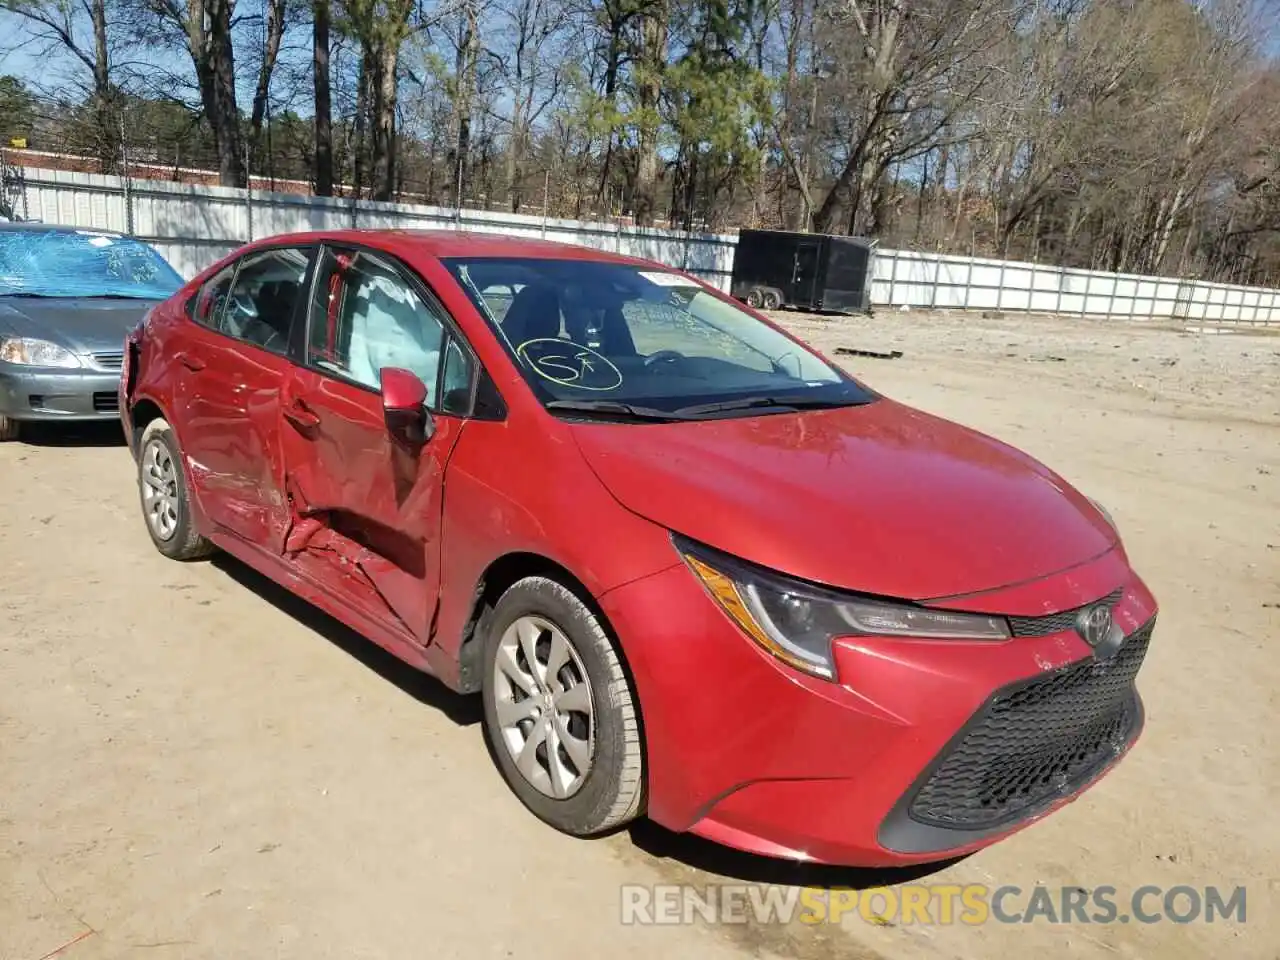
796	621
36	353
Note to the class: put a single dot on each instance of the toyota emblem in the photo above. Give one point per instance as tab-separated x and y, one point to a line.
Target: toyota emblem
1094	624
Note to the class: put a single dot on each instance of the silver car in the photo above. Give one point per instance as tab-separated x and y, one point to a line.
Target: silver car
67	298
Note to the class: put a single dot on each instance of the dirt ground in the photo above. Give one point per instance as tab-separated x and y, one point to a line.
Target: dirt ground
193	764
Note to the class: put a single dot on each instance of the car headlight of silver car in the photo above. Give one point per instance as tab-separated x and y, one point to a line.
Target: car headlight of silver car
36	353
797	622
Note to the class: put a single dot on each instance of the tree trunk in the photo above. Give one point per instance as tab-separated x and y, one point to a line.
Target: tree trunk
464	71
324	106
613	64
653	54
515	149
209	40
109	131
363	99
384	121
271	50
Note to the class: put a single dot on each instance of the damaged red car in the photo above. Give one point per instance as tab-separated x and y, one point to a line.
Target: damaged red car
695	570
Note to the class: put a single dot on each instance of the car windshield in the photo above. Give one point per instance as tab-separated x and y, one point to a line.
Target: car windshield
623	340
82	263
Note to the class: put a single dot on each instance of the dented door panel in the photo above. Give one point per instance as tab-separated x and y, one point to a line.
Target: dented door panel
227	396
364	508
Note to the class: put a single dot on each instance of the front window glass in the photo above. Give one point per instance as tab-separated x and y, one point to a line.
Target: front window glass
82	263
366	316
590	333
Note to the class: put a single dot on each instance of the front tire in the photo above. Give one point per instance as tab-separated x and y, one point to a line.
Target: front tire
166	502
558	710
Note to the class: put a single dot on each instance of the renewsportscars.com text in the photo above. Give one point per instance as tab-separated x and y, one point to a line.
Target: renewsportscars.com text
931	904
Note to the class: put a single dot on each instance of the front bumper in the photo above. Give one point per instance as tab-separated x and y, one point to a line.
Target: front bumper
32	393
745	751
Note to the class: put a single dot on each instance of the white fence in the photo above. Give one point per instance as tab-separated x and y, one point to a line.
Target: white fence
195	225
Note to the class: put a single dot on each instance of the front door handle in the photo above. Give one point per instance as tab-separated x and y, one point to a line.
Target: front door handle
190	362
300	415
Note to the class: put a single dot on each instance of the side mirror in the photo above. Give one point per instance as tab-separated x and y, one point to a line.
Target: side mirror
404	403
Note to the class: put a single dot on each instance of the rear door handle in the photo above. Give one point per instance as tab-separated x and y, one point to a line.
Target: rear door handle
190	362
300	415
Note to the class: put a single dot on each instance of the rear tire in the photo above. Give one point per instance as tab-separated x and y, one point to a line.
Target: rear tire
166	502
753	298
9	429
771	300
559	713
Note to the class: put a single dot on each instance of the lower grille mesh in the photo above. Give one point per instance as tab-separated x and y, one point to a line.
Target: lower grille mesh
1035	741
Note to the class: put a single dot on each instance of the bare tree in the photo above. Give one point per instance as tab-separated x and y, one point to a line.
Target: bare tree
531	63
80	28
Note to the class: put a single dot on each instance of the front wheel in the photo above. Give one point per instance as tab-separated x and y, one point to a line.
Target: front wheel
558	710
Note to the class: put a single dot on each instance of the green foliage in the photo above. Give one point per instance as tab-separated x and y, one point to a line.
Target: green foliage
17	111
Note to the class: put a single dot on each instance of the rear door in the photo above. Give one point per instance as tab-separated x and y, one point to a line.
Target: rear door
804	272
234	365
367	503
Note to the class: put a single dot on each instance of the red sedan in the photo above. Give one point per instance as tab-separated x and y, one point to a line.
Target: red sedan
694	569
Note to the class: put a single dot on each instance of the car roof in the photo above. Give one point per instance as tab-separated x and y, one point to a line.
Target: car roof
463	243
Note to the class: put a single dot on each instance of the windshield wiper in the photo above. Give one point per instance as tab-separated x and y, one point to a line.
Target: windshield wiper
612	408
748	403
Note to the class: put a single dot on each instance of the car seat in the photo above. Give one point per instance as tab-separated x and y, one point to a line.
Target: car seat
534	314
275	301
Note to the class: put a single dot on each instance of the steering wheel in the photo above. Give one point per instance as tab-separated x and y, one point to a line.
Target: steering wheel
663	356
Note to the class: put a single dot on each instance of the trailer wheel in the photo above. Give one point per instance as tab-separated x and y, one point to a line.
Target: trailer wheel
771	300
754	298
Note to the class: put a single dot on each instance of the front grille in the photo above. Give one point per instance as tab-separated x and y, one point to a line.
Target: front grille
1056	622
104	402
1035	741
109	361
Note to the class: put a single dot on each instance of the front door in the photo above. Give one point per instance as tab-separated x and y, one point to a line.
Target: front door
233	366
367	501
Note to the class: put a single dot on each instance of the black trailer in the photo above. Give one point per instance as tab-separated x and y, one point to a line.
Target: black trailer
807	271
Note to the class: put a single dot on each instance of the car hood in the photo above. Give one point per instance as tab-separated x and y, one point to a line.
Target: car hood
879	498
81	324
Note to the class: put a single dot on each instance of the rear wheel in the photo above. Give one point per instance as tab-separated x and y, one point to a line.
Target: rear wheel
558	710
754	299
9	428
166	503
771	300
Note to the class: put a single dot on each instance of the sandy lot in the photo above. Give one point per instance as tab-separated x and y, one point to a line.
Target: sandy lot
193	764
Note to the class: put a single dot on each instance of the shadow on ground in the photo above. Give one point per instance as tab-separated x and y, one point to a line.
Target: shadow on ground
423	687
658	843
91	433
691	851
